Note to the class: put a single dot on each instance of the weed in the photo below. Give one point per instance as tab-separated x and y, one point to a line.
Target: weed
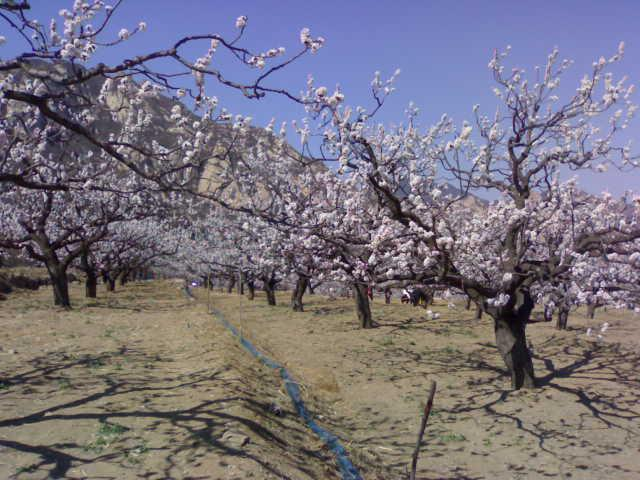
133	455
106	435
28	469
64	384
449	350
109	333
96	363
452	437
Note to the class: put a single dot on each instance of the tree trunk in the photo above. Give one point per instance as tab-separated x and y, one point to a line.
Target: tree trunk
231	284
60	284
124	278
511	340
468	304
591	310
510	324
387	296
240	283
479	311
296	297
362	305
252	289
111	284
548	313
563	317
91	284
268	285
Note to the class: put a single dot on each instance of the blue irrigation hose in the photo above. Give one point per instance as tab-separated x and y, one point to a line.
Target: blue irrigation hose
348	470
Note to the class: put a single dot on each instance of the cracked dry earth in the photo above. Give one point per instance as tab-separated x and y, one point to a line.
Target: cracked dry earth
141	383
582	423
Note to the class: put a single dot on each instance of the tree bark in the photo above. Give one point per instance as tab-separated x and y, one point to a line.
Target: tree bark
268	285
60	283
362	305
387	296
252	289
296	297
111	284
591	310
241	283
231	284
563	317
468	304
511	340
479	311
91	284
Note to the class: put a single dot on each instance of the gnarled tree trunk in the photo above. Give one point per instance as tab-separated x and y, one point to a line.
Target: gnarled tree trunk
510	324
296	297
468	304
362	305
479	311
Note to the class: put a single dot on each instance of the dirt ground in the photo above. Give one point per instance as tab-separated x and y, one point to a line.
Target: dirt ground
582	423
142	383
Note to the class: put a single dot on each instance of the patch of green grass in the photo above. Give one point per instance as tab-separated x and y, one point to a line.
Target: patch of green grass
64	384
109	333
451	437
449	350
107	434
96	363
28	469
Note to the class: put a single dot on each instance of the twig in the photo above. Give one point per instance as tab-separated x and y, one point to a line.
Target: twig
423	426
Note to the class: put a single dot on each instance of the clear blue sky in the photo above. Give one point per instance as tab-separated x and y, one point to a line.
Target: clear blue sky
441	47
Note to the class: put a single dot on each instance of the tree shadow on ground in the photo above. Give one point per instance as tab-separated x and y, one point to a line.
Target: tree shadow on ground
598	381
195	429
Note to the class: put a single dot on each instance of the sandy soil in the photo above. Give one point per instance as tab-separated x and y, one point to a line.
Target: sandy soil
582	423
140	384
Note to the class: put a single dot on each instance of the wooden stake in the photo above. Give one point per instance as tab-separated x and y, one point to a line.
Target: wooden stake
423	426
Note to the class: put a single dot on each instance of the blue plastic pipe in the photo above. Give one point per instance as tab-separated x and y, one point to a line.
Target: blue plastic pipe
348	470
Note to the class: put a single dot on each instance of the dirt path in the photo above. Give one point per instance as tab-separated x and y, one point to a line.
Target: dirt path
140	384
583	423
